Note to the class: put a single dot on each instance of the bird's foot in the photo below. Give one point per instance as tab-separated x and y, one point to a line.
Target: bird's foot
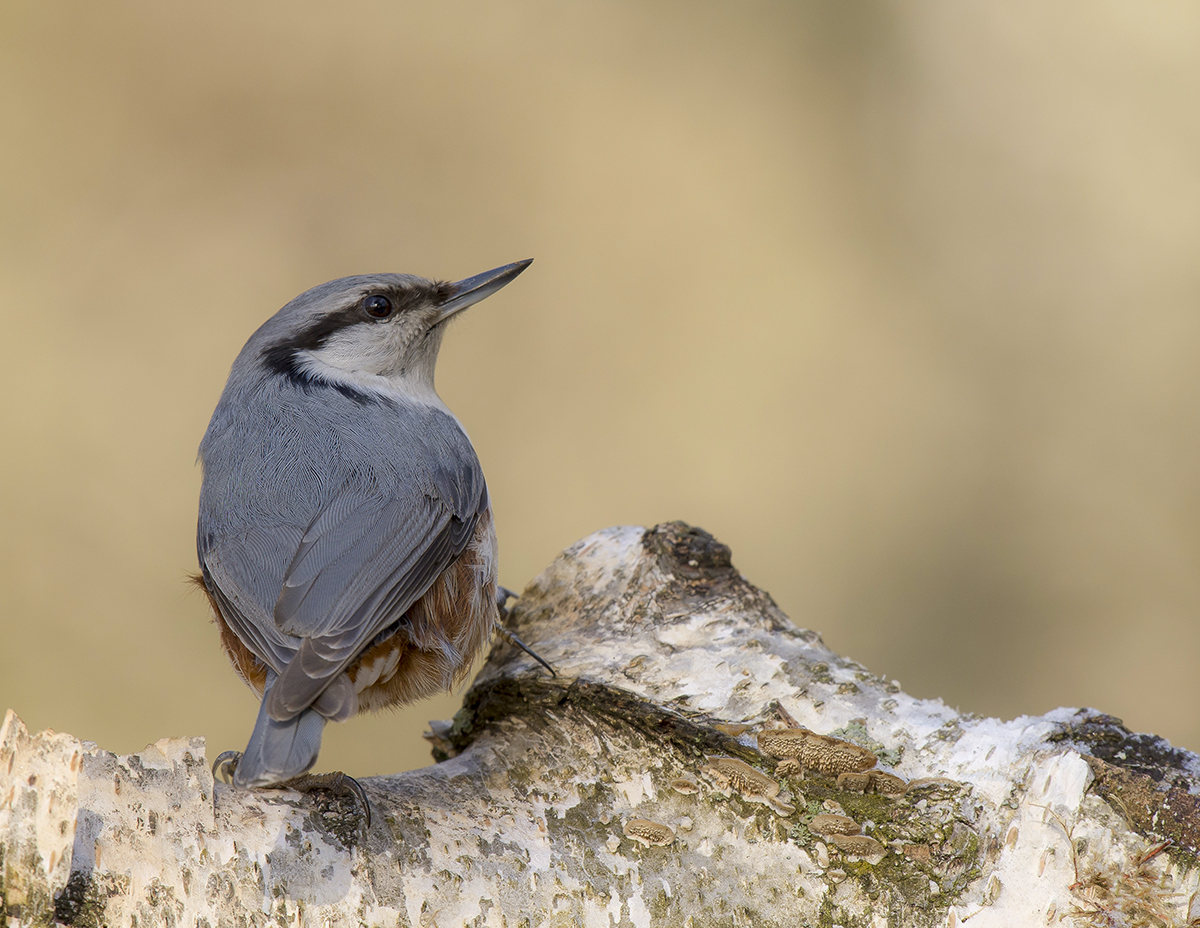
224	765
503	595
336	783
511	637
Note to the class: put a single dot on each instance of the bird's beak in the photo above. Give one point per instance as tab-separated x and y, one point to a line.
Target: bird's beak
470	291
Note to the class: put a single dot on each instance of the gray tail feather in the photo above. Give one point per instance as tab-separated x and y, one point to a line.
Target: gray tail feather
279	751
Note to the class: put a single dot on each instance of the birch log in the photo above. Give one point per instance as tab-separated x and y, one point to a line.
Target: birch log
629	790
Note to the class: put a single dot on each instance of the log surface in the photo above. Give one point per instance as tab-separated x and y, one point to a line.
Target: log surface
548	804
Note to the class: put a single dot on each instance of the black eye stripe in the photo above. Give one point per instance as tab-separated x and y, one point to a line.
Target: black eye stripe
280	355
404	300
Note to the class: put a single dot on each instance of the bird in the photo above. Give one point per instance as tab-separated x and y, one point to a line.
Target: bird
345	532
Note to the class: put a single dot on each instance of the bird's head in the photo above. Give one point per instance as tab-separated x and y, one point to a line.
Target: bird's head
375	332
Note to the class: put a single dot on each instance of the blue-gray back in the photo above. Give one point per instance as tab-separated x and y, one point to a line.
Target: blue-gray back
324	513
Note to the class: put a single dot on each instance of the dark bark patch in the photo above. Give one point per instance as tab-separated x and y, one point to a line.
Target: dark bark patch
1172	813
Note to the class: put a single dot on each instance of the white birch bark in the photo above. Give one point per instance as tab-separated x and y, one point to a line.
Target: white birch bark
665	654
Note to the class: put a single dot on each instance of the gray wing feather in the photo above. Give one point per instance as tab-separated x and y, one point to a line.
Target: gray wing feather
357	570
449	544
226	579
351	548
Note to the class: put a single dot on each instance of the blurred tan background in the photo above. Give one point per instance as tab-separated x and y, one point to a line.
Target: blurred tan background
902	301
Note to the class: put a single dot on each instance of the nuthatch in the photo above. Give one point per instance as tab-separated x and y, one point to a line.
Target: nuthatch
345	533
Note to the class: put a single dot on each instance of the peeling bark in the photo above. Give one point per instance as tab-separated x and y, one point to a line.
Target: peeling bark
590	798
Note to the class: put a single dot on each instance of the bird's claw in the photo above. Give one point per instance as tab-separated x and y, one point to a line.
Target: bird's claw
503	595
511	637
225	765
337	783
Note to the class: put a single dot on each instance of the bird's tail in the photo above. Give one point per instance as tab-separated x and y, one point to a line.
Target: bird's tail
278	750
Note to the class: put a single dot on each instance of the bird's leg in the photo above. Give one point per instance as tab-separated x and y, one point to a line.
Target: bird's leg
336	782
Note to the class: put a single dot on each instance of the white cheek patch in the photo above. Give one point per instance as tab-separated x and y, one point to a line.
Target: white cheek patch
312	364
365	357
363	349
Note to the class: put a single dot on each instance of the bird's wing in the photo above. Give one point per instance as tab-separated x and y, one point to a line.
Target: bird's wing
230	573
362	562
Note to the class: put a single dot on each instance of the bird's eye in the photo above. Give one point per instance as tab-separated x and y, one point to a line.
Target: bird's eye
378	306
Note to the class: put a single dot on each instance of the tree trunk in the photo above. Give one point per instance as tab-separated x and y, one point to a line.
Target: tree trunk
617	793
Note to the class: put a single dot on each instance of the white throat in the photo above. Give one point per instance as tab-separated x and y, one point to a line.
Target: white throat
415	386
